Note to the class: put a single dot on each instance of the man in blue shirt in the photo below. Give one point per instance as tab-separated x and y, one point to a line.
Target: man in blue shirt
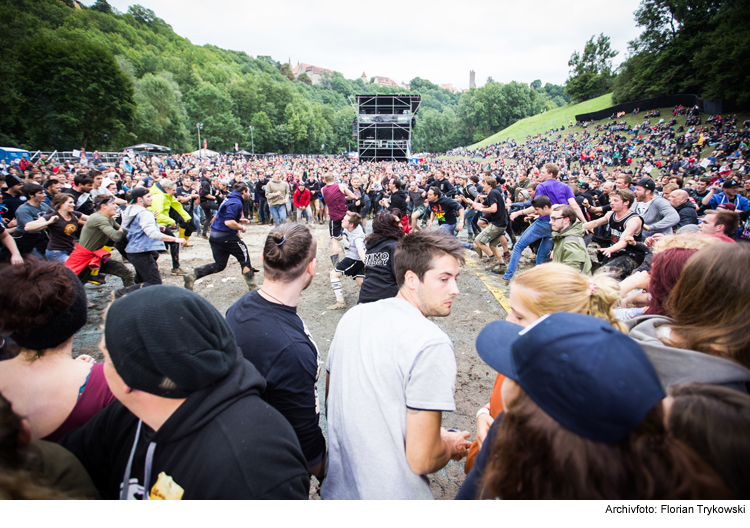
225	240
714	198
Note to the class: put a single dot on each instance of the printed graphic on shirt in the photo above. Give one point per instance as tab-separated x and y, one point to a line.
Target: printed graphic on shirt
377	259
439	213
166	489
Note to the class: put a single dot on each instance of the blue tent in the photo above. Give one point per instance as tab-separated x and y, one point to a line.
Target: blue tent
9	153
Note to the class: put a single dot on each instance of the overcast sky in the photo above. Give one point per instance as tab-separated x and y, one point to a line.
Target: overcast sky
436	39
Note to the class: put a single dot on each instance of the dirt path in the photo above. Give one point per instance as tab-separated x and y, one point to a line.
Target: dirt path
475	307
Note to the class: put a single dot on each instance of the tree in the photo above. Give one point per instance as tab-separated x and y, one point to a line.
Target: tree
73	93
286	71
142	14
536	84
304	79
591	73
102	6
262	133
160	114
490	80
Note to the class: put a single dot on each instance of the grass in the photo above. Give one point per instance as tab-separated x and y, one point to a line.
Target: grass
546	121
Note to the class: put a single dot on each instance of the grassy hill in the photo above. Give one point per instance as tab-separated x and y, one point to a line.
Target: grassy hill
546	121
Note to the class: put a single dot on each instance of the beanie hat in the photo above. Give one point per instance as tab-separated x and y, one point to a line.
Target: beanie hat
62	326
181	351
12	181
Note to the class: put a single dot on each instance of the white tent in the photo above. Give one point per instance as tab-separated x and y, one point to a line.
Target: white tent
205	153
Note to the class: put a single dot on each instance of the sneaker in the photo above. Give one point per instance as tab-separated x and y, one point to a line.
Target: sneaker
178	272
97	280
189	280
340	305
506	282
204	236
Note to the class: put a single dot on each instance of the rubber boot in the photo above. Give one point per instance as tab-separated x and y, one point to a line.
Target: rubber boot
249	277
182	235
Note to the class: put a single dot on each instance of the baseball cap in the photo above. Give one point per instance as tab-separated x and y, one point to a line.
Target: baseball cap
647	183
728	184
589	377
138	192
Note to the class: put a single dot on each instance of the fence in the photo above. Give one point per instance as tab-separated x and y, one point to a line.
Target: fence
687	100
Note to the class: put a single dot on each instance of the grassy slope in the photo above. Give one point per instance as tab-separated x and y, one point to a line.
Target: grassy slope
546	121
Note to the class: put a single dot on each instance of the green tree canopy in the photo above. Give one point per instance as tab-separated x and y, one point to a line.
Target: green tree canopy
591	73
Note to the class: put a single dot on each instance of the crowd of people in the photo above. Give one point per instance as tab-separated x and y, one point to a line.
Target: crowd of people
622	367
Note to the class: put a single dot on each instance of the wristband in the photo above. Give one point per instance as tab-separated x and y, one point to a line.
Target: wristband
483	410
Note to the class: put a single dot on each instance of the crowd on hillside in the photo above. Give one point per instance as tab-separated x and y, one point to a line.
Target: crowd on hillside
621	376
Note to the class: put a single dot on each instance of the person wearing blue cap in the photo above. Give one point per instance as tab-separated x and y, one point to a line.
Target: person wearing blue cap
583	419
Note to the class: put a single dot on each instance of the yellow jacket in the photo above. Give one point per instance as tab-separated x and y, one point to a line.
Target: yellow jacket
162	203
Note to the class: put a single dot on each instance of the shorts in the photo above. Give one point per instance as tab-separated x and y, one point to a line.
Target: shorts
421	209
351	268
334	228
490	235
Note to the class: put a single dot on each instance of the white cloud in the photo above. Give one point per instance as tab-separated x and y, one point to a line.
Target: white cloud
436	40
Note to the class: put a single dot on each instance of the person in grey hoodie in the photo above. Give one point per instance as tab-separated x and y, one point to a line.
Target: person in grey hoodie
706	339
145	240
658	214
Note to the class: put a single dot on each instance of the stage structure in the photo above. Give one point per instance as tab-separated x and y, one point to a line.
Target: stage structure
383	126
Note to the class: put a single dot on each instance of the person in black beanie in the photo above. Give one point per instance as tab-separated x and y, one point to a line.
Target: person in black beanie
189	422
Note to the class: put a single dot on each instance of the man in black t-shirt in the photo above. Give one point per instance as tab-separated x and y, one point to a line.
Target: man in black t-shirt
494	233
81	192
446	211
9	247
273	337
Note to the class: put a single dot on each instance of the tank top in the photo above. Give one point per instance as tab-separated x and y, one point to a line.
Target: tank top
617	228
336	202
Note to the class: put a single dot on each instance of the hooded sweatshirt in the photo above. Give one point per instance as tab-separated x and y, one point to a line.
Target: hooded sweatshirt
143	230
223	442
570	248
230	209
675	366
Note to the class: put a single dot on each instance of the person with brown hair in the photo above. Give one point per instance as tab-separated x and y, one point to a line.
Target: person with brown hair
715	422
353	264
274	338
704	336
720	222
42	305
386	390
583	419
37	469
65	222
380	245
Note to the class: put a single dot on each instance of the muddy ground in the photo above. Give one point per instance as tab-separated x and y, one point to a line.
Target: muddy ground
475	307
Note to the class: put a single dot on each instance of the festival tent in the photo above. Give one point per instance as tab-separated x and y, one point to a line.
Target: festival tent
148	147
205	153
245	153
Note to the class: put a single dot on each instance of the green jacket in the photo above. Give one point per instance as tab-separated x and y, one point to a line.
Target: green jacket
570	248
162	203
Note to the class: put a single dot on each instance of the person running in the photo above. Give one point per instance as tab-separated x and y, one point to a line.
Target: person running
277	194
163	203
30	236
449	213
334	196
287	357
63	228
90	254
558	193
145	240
380	272
494	233
225	240
353	264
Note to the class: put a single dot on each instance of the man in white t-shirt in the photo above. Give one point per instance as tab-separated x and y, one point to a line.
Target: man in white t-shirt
386	390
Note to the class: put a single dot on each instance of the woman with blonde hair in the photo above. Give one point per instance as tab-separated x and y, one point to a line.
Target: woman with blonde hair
546	289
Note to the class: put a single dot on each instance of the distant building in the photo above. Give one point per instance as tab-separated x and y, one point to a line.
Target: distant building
314	72
384	81
364	78
406	85
472	80
449	87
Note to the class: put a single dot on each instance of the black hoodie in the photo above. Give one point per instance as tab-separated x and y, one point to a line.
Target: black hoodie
223	442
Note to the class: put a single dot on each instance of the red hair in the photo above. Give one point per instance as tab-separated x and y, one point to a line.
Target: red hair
666	267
